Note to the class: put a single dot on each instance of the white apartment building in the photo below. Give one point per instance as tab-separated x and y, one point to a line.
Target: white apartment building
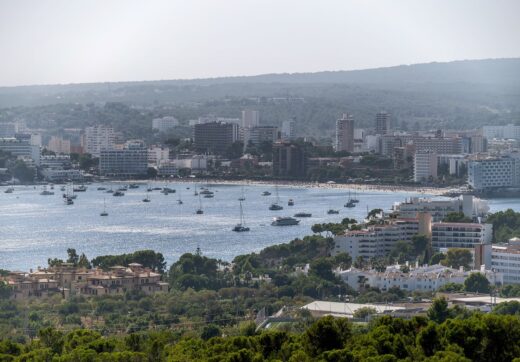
60	175
130	161
469	205
164	124
494	172
158	154
425	278
99	138
21	148
502	258
259	134
375	241
288	130
57	161
500	132
447	235
425	166
58	145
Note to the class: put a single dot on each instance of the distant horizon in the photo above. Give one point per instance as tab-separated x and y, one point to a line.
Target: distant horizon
257	74
45	42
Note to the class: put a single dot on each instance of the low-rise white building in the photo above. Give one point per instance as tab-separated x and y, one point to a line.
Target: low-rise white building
469	205
426	278
164	124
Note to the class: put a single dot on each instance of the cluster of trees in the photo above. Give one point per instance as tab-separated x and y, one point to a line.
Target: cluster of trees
147	258
444	335
506	225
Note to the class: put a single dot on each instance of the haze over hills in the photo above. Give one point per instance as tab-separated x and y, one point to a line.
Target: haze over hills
460	94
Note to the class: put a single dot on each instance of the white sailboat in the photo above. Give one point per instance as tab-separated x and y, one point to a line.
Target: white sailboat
240	227
276	205
104	212
199	210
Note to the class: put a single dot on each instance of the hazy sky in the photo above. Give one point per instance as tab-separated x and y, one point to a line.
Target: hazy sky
71	41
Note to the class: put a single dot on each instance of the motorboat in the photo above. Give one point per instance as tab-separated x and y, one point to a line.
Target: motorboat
332	212
290	202
275	207
118	193
303	214
285	221
266	193
80	188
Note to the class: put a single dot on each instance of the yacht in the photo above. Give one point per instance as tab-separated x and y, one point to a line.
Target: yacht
350	202
133	186
332	212
285	221
290	202
118	193
68	201
101	188
62	188
80	188
167	190
46	192
240	227
147	198
9	190
209	196
266	193
206	192
195	193
302	214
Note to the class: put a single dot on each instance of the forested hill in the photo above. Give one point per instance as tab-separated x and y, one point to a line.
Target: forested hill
498	74
455	95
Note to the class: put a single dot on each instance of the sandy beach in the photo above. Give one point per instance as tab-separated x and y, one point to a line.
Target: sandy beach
351	186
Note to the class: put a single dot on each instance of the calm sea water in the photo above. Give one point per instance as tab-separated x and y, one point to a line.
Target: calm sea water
34	228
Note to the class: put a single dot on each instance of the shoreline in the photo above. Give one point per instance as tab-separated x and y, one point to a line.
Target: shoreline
302	184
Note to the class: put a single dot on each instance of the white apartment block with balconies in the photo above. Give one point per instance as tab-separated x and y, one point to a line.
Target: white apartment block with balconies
446	235
99	138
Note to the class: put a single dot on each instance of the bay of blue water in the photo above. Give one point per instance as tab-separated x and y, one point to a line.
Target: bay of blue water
34	228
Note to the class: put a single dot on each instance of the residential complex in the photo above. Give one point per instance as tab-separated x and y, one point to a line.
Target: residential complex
420	278
68	280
